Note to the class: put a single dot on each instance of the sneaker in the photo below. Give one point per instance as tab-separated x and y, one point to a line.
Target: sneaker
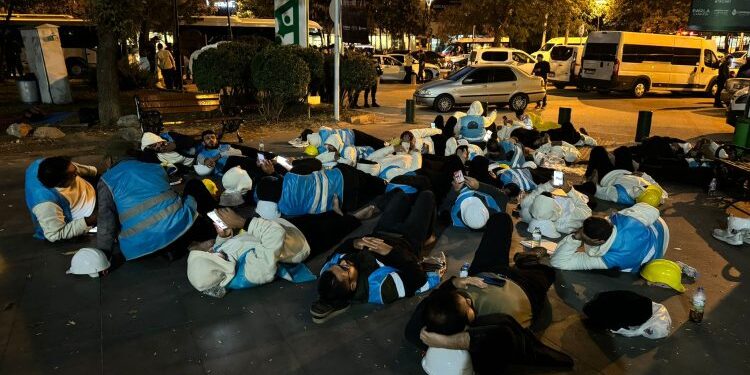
730	238
295	141
746	237
322	311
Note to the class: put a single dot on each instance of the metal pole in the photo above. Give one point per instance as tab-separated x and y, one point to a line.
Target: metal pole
229	21
336	59
544	32
177	56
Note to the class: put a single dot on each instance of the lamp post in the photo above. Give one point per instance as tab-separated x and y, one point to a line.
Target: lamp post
429	6
176	46
229	19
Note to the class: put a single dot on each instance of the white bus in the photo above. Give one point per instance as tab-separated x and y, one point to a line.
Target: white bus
640	62
551	43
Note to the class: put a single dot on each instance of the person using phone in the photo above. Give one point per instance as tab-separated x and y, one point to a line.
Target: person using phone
468	313
555	214
216	158
470	203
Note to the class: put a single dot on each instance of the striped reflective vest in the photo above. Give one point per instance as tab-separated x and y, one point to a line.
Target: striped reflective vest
312	193
36	193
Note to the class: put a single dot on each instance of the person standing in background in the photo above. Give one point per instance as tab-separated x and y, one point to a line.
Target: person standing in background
165	61
541	69
721	80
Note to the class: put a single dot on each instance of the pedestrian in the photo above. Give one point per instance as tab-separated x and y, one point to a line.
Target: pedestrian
151	54
374	88
13	47
421	60
721	80
408	66
541	69
166	64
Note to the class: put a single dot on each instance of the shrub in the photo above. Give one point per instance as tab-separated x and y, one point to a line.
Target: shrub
280	76
357	73
314	60
228	67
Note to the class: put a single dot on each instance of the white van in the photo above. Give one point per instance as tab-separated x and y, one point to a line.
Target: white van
565	65
503	56
547	47
640	62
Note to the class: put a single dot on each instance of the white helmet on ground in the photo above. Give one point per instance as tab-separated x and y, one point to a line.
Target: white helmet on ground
474	213
439	361
88	261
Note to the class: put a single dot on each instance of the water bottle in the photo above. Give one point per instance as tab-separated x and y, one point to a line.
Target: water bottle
536	237
261	145
216	292
699	303
464	270
712	187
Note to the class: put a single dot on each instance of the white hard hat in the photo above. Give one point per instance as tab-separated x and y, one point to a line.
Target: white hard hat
149	139
474	213
88	261
237	180
439	361
202	170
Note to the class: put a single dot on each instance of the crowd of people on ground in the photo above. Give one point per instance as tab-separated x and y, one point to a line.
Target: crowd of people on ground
246	217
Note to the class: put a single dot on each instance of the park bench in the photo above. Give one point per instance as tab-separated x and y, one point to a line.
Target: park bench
175	108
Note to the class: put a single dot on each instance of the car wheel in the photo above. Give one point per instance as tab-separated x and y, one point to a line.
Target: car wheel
444	103
519	102
560	86
639	89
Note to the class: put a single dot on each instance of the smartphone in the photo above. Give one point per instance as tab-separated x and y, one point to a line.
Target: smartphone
284	162
458	176
261	157
93	230
558	178
494	281
432	125
217	220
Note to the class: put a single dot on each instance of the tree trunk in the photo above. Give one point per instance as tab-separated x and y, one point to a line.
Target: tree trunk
106	77
143	39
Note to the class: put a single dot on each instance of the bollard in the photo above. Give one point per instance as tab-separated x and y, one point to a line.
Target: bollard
741	130
564	115
410	109
643	128
413	79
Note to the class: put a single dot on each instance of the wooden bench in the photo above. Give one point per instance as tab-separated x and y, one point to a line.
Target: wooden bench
156	110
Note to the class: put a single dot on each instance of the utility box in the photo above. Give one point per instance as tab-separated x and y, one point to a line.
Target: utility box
47	62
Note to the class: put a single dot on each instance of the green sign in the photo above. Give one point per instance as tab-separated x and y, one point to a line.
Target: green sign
291	21
720	15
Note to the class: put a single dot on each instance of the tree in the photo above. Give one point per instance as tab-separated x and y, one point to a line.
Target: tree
115	20
653	16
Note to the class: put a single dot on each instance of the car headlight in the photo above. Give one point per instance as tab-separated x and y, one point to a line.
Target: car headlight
424	92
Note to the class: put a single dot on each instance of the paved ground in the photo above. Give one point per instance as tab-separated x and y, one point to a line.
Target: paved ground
145	318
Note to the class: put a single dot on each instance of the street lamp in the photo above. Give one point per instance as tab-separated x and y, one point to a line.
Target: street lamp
429	5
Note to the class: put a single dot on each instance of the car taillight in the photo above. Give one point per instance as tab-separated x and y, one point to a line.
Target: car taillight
616	69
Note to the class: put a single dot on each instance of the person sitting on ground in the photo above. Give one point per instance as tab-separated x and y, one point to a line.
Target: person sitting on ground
629	239
384	266
336	151
217	158
60	200
471	203
553	211
250	257
420	140
138	210
160	150
489	312
626	188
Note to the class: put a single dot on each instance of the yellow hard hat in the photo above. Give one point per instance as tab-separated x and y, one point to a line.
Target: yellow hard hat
311	150
211	187
651	196
665	272
504	166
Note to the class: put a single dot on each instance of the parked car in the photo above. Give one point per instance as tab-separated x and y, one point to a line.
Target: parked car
731	87
393	70
565	65
641	62
503	56
498	84
432	71
737	105
431	57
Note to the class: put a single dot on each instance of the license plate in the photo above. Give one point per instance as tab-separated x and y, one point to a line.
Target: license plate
589	71
551	74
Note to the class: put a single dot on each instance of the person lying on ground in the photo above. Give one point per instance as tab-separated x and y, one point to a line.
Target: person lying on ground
626	188
384	266
420	140
737	231
627	240
553	211
217	158
601	162
390	162
476	109
244	259
677	160
489	312
471	203
139	211
533	138
350	137
556	150
509	152
174	150
305	190
61	201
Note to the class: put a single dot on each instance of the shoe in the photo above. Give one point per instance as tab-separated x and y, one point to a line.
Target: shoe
322	311
746	237
355	107
583	131
718	105
367	105
730	238
375	105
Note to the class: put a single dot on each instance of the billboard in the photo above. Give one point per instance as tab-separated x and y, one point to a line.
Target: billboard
291	21
720	15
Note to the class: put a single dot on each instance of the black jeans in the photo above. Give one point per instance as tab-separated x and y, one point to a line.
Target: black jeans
359	187
719	88
413	217
169	78
493	256
566	133
363	139
372	89
325	230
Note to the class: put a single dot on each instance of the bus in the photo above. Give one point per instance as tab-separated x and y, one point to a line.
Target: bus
79	41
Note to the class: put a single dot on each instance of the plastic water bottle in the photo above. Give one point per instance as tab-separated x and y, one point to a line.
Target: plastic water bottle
536	237
712	187
464	270
261	145
699	303
216	292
